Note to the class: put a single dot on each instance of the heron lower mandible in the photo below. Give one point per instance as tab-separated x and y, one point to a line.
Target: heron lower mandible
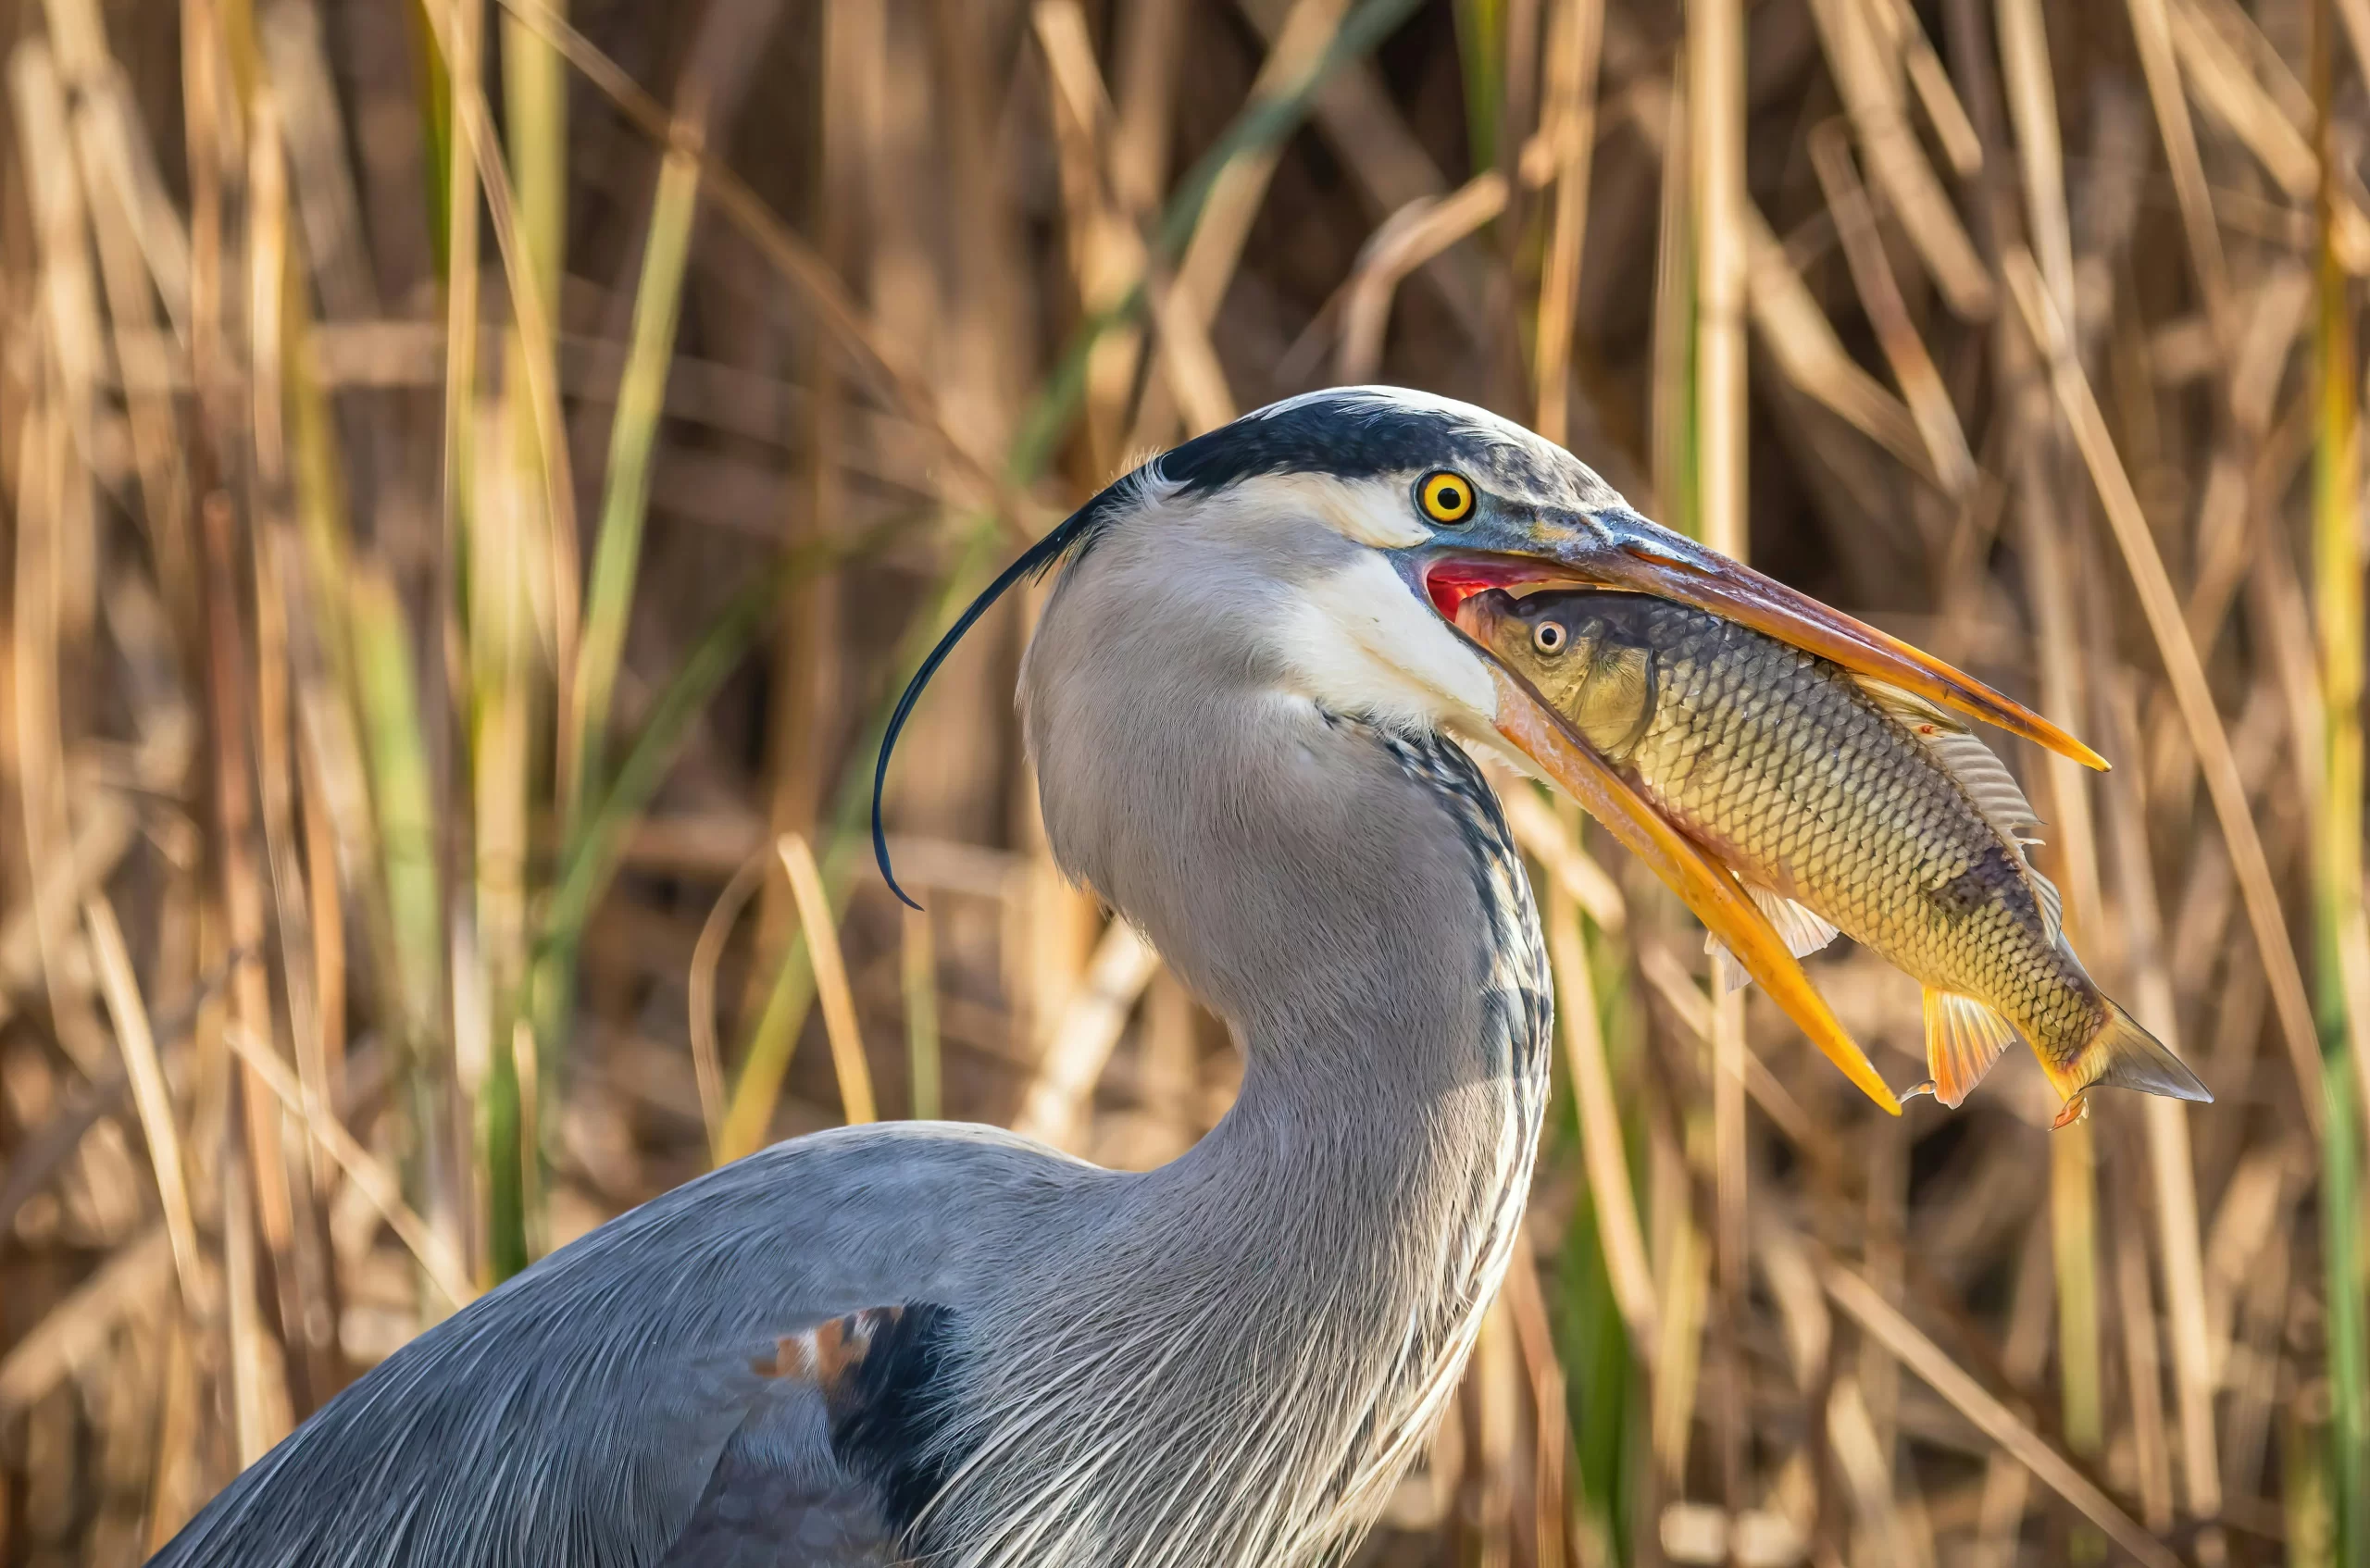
1250	714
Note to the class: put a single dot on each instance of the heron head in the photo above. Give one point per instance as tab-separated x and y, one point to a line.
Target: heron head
1456	500
1334	539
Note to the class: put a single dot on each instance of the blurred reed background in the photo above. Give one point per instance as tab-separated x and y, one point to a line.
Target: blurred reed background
474	474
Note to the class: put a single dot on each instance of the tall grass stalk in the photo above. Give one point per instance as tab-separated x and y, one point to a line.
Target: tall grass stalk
590	795
404	809
2338	873
501	717
1717	102
625	495
535	622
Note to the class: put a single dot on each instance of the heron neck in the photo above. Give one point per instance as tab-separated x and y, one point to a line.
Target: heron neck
1409	997
1397	1062
1367	1186
1310	1277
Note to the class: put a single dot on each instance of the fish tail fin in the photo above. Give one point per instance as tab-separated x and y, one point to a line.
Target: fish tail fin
1963	1038
2120	1055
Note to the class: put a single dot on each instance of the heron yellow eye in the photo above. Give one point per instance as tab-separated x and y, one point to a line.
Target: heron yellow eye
1548	638
1445	497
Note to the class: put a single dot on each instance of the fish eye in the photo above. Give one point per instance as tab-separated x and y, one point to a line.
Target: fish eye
1549	638
1446	497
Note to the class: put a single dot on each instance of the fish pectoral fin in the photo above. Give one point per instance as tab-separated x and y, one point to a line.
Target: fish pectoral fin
2124	1055
1805	929
1907	706
1963	1038
1802	930
1727	975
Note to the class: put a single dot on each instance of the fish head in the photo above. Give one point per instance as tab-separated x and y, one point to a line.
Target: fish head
1549	639
1580	649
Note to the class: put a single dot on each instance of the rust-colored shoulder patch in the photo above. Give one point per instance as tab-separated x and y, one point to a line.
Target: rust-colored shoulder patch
827	1353
882	1375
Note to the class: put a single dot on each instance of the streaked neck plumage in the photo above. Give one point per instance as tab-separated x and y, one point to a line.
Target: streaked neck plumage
1244	1348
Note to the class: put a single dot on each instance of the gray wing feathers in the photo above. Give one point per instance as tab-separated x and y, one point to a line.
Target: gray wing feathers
588	1412
779	1498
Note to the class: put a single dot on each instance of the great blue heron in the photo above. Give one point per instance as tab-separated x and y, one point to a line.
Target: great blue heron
1250	712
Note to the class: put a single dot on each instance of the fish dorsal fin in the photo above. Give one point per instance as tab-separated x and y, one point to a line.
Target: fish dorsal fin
1801	929
2052	902
1982	775
1963	1038
1965	756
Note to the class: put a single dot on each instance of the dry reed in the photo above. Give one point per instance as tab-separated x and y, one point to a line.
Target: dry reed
473	472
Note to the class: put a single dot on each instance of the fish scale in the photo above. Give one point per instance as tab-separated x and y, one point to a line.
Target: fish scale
1731	756
1821	789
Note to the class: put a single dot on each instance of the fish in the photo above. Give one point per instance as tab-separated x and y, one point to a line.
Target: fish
1840	803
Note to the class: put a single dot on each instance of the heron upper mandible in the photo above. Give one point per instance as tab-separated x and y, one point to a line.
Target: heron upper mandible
1253	722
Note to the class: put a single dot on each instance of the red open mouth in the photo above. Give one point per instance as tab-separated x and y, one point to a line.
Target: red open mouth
1451	580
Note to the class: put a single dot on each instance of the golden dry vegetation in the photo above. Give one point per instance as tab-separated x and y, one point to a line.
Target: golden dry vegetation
473	475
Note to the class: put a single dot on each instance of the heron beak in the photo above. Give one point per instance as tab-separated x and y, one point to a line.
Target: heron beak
1619	549
1532	727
